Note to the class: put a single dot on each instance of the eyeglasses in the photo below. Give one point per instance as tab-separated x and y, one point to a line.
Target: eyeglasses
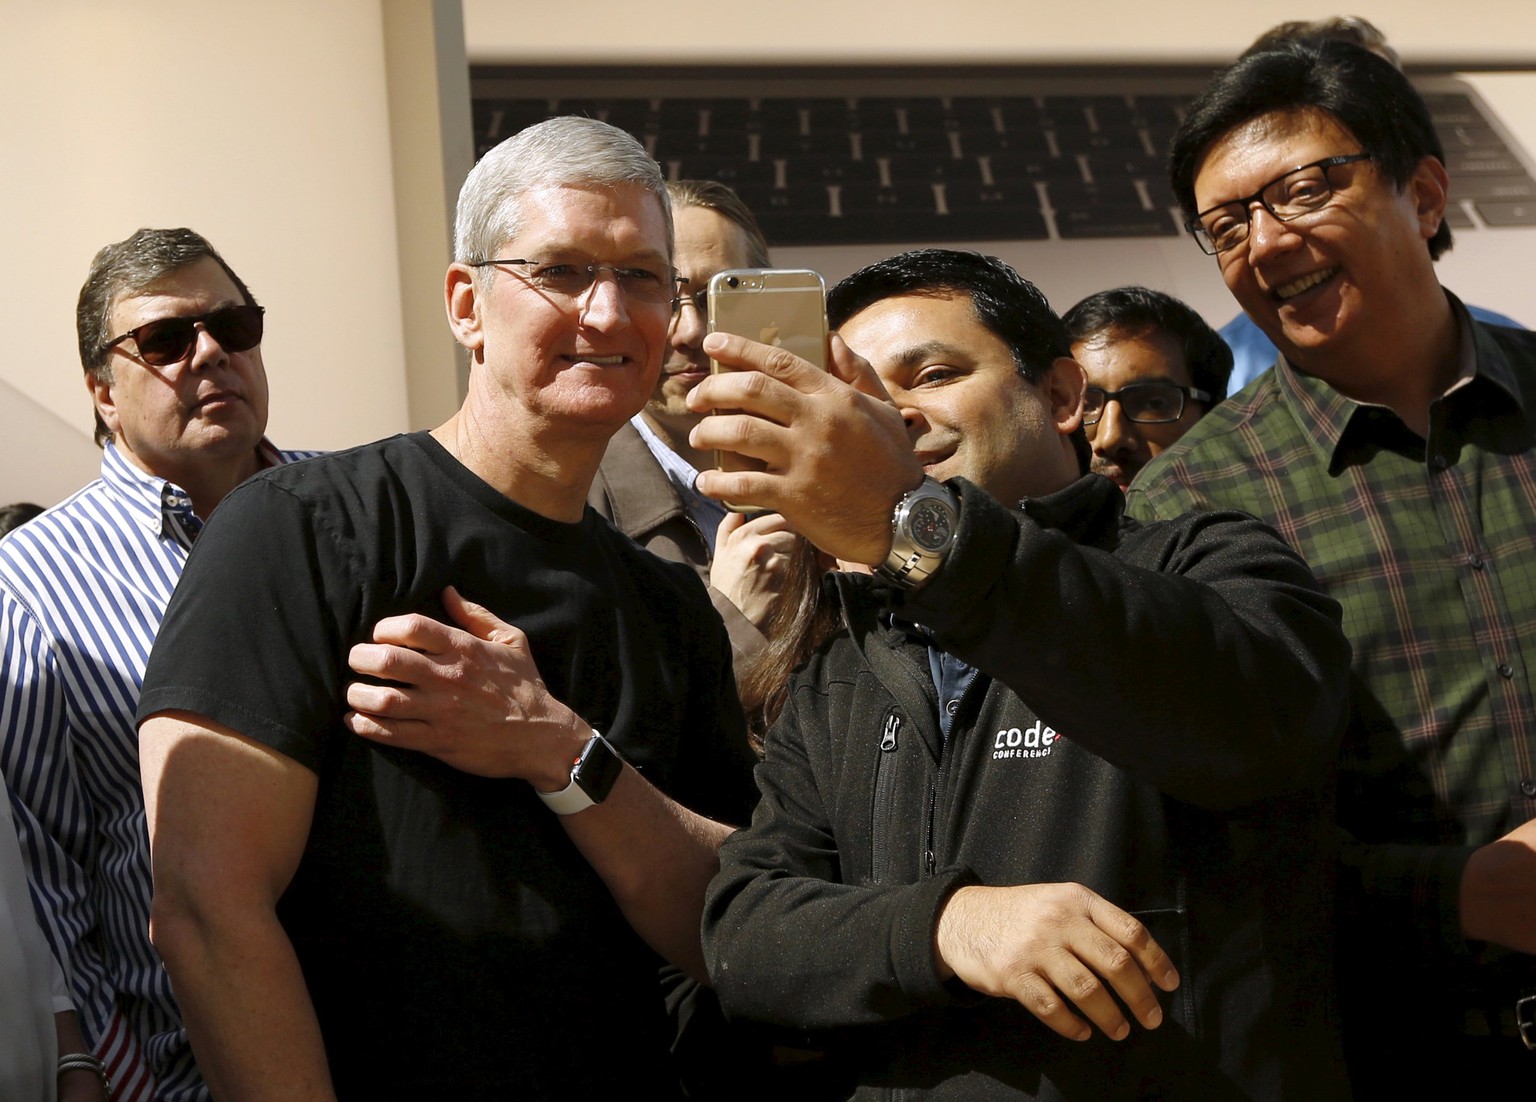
168	341
1300	191
571	281
699	298
1144	403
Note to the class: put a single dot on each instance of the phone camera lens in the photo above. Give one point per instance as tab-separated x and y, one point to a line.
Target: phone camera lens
732	281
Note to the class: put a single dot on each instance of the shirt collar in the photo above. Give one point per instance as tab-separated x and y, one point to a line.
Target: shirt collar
1325	415
162	507
706	512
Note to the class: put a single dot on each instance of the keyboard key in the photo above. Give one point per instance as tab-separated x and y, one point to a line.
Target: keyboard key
934	169
855	198
825	144
975	142
808	116
1010	166
1108	221
1481	162
929	143
1507	214
1112	192
735	171
1493	187
829	170
964	197
1457	218
498	119
671	145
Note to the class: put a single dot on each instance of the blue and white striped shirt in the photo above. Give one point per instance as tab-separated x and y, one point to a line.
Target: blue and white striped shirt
83	589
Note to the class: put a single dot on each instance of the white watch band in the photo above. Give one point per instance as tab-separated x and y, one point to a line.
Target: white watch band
575	796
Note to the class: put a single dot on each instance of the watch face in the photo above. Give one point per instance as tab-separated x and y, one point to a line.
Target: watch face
930	525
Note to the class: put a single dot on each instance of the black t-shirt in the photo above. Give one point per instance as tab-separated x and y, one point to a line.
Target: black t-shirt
454	941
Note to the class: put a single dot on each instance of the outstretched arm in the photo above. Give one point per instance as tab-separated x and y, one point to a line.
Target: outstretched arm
228	819
472	697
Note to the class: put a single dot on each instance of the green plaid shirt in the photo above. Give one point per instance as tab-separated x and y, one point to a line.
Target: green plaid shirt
1430	547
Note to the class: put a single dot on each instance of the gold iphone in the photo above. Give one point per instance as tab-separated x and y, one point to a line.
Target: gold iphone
784	307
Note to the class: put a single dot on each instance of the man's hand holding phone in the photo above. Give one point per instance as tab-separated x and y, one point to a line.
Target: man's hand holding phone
836	453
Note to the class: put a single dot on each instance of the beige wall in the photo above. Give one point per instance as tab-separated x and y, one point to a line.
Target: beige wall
984	31
266	127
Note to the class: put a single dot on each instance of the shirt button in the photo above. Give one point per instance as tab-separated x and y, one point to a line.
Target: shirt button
952	707
1440	462
1528	787
1506	671
1474	560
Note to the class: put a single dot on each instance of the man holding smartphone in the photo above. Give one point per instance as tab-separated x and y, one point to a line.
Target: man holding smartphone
645	485
1029	825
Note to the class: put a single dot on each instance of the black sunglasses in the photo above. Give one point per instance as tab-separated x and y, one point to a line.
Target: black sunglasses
170	340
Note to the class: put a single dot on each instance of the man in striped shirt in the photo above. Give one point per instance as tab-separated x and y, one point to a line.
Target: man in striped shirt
170	339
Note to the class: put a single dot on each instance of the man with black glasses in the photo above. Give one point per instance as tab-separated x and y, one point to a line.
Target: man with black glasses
344	916
1394	445
170	339
1154	368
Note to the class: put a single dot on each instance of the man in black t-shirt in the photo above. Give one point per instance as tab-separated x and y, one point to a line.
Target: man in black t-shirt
347	917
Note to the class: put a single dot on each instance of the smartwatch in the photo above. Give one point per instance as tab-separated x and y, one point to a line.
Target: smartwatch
922	533
592	777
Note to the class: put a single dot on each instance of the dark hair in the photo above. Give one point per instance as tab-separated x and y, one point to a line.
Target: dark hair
1006	303
1130	312
1363	92
127	268
718	197
14	516
1341	28
803	618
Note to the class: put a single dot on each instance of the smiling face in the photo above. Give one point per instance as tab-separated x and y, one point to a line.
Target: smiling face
968	410
209	409
706	242
1328	284
569	367
1113	360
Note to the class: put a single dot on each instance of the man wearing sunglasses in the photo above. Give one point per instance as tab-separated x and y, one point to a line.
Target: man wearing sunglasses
1154	368
1394	445
170	339
344	916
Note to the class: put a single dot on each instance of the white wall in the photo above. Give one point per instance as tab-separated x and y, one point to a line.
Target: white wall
263	126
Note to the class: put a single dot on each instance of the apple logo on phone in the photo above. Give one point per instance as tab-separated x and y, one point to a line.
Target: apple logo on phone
769	335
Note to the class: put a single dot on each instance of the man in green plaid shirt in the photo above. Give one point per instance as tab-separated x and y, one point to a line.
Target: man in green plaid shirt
1394	445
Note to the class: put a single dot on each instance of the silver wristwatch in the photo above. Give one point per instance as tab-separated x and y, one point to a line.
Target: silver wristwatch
922	533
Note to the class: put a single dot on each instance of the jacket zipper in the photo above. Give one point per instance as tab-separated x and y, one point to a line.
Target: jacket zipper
880	812
930	844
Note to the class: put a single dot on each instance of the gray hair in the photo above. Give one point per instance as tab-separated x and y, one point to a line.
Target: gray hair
569	151
127	268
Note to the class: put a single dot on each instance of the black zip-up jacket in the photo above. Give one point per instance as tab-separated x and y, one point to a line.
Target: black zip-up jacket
1156	717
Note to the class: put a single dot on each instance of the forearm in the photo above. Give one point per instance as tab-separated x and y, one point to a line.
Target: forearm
243	998
656	857
79	1084
795	949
